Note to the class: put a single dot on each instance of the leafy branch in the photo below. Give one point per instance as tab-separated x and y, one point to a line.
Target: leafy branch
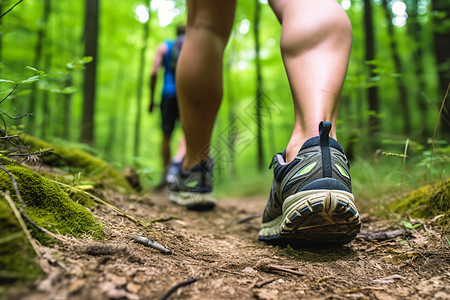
38	75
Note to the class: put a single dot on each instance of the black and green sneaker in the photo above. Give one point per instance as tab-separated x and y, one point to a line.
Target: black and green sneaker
193	189
311	199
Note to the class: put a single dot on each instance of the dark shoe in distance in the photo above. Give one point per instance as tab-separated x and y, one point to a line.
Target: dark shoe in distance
193	189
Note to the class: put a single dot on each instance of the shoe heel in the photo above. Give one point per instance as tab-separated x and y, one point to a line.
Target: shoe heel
320	216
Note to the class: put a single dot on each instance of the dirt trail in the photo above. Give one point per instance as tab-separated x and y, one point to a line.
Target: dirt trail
218	258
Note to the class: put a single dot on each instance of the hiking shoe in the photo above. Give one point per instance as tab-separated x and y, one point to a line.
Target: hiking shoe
193	189
311	198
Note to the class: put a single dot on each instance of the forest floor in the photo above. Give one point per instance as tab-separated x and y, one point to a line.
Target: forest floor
216	255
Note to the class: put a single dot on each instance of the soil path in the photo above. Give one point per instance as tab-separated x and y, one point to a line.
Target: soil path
217	257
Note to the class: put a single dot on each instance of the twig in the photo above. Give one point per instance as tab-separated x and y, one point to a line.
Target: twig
284	269
14	182
264	282
227	271
32	153
15	118
248	219
379	236
9	137
10	9
176	287
116	209
435	129
14	88
147	242
22	223
163	219
439	115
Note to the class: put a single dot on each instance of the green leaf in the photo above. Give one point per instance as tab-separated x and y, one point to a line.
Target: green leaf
407	224
38	72
32	69
84	187
87	59
31	79
6	80
69	90
411	226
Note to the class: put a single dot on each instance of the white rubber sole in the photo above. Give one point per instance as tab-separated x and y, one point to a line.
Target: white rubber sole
321	216
195	201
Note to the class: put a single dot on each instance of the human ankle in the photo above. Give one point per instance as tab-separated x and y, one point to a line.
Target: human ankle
292	150
189	163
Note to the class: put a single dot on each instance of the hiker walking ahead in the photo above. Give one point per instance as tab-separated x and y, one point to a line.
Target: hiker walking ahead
167	57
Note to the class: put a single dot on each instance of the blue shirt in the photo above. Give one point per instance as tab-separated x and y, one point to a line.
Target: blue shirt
169	89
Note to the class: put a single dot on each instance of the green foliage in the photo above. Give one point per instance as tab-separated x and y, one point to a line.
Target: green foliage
80	161
408	225
426	202
48	205
16	255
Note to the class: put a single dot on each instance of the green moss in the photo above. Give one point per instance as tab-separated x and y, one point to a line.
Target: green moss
426	202
17	258
80	161
48	205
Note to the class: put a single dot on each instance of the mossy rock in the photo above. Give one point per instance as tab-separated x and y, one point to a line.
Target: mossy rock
80	161
17	258
426	202
48	205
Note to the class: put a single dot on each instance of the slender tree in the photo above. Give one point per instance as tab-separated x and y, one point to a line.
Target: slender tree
259	86
415	30
142	63
405	111
46	96
91	28
374	107
442	46
231	99
67	109
37	63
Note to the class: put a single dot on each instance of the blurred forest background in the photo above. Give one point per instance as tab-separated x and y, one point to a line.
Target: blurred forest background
83	67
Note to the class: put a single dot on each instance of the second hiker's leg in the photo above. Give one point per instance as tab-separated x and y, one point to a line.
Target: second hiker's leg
199	73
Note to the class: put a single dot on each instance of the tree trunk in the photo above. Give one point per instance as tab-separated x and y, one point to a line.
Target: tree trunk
1	35
259	86
142	63
442	46
231	112
415	30
405	111
46	106
91	27
374	120
38	48
67	109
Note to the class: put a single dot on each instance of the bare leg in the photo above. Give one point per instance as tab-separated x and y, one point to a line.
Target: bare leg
316	39
199	73
181	151
165	150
